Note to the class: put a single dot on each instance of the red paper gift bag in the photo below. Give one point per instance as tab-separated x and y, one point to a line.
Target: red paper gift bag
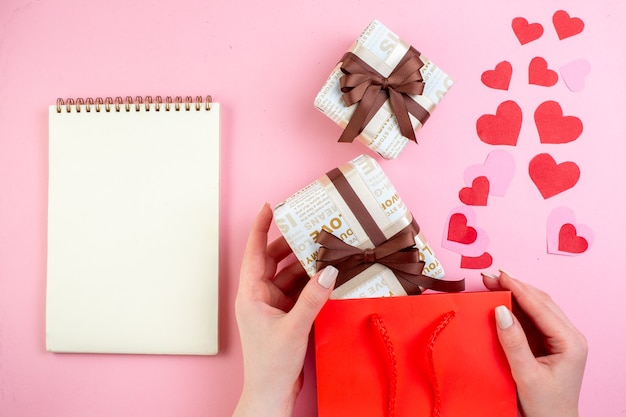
419	356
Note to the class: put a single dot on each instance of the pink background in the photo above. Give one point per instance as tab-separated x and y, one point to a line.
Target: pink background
265	62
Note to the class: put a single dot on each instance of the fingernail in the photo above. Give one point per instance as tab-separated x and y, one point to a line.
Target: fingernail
490	276
328	276
502	271
266	204
504	318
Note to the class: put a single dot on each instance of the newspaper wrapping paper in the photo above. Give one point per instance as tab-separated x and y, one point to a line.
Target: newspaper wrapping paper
382	49
319	206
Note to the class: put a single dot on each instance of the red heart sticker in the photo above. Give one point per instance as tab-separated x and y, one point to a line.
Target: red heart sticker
502	128
552	178
459	231
540	74
480	262
499	77
526	32
569	241
553	127
565	25
477	194
564	236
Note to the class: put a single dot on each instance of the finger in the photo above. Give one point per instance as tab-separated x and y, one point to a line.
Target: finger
298	288
291	278
491	282
537	304
533	335
280	300
313	297
559	334
279	249
253	265
514	344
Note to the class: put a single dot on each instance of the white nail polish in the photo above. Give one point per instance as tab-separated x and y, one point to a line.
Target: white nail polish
502	271
490	276
328	276
504	318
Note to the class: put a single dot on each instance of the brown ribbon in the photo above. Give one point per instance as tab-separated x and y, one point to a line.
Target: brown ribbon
364	85
397	253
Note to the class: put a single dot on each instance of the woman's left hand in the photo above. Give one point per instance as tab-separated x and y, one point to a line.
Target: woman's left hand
275	311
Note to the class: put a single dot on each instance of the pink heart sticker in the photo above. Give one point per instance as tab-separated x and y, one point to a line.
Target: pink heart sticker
461	227
499	167
574	74
566	237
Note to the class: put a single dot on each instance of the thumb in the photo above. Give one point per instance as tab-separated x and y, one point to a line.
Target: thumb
514	343
313	296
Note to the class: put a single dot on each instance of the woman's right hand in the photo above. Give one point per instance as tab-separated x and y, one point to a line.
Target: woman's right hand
547	385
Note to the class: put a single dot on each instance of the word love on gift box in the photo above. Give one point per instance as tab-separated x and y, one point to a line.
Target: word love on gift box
432	355
382	91
353	218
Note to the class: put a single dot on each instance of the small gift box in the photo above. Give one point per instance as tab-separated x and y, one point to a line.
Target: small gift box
353	218
432	355
382	91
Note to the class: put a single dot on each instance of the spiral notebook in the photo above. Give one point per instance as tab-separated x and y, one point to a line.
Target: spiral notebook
133	226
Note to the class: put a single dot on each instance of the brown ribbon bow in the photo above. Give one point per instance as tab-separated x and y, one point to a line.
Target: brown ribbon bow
364	85
398	253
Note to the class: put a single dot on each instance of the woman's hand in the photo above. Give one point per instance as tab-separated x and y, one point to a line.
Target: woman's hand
275	311
548	385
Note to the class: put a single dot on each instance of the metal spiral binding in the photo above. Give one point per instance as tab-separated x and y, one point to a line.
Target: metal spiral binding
127	104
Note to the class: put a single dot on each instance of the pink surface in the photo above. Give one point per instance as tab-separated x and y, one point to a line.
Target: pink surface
265	63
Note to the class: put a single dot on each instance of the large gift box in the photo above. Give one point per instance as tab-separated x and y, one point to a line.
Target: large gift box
353	218
426	356
382	91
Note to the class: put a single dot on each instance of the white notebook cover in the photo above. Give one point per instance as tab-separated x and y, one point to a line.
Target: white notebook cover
133	230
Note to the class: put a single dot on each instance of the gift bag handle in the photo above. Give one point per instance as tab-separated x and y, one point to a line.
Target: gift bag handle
445	320
379	325
383	333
